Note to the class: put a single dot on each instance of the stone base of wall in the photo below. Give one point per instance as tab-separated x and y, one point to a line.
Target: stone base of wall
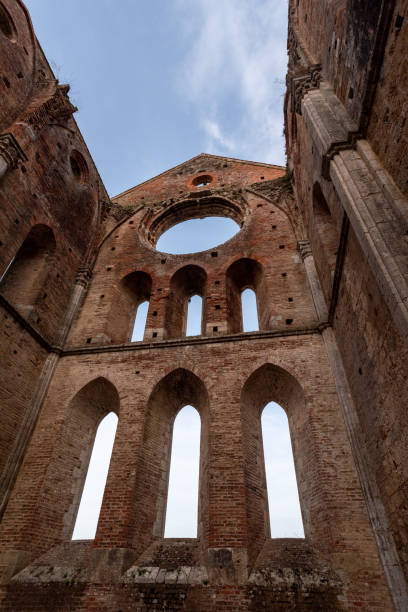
288	575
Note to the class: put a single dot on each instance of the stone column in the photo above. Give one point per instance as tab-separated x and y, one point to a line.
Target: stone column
314	282
83	277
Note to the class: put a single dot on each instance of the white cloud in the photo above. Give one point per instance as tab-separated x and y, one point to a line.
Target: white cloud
215	136
236	60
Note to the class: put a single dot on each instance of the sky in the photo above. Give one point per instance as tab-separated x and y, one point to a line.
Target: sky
157	82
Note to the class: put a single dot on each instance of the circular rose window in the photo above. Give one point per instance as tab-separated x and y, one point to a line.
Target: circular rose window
202	180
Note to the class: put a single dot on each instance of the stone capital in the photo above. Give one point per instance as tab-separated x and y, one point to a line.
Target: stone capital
305	249
83	276
301	84
11	152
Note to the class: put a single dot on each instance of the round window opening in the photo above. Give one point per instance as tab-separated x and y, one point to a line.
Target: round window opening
79	167
202	180
195	225
7	26
197	235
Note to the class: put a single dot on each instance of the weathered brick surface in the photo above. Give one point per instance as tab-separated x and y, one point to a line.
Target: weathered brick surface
21	365
327	263
387	129
363	59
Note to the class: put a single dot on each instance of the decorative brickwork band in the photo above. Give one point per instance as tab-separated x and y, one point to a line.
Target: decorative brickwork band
11	152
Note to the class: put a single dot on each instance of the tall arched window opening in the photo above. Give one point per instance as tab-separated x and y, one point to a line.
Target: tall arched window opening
283	498
182	497
246	290
140	322
249	311
194	316
25	277
76	424
92	494
267	452
155	504
188	283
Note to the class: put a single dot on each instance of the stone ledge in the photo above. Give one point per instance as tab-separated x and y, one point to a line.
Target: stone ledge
192	340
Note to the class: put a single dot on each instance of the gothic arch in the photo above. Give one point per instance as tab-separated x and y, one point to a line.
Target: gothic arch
175	390
245	273
132	290
271	383
72	452
187	281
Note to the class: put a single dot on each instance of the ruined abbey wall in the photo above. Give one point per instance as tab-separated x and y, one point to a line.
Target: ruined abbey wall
323	245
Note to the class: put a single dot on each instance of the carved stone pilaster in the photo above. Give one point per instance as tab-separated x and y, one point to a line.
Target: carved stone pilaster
11	152
304	248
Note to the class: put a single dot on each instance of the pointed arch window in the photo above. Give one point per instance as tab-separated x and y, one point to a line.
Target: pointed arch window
129	311
194	315
246	291
285	516
180	397
182	497
140	322
91	500
249	311
187	293
270	430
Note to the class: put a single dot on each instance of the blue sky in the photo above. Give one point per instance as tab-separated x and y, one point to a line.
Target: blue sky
157	82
